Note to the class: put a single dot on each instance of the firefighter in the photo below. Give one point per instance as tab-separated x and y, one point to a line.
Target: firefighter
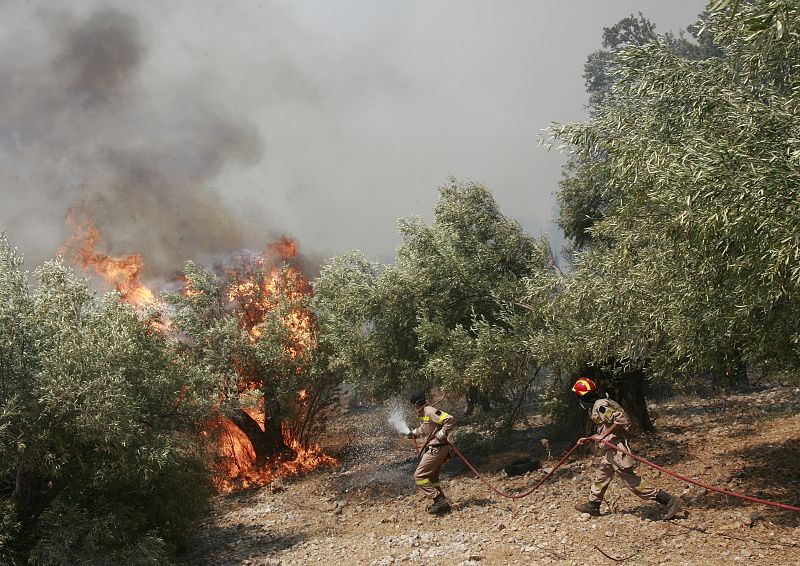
434	426
612	423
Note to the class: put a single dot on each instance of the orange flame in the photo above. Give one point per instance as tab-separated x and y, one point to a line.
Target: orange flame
254	298
237	458
256	290
123	272
284	248
236	455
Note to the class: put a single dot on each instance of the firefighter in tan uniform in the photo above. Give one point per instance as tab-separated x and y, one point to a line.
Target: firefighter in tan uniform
612	423
434	426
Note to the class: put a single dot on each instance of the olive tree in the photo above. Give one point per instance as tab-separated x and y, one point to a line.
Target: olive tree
586	190
694	267
101	455
447	312
253	331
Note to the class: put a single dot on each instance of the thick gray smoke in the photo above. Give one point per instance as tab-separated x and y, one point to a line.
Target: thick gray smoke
155	116
80	125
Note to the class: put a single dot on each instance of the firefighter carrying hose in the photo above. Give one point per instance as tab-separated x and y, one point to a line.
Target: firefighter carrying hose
612	423
434	426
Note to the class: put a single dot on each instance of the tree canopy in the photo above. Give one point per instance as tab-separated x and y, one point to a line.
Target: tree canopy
100	451
693	266
445	313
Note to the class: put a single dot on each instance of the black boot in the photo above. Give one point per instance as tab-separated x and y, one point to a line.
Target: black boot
671	502
439	505
591	507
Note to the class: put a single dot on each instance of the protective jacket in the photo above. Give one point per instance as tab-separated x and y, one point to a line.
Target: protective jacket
430	421
605	413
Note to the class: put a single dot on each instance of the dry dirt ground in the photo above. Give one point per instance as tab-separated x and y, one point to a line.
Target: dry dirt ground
367	510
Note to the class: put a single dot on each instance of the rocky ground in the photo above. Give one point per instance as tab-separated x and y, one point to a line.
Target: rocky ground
367	511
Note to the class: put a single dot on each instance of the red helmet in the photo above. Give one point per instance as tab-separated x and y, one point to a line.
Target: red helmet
584	386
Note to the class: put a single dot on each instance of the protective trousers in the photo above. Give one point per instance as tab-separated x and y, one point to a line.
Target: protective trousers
426	475
614	462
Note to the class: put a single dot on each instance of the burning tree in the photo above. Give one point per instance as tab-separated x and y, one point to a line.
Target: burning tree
255	332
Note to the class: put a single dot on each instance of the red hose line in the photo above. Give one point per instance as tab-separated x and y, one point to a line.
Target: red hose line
514	495
635	457
700	484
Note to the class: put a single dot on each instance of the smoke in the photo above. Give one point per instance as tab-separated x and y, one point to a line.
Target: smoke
81	125
146	114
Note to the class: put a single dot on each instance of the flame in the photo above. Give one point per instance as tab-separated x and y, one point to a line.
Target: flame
185	289
257	290
122	272
308	457
237	459
236	456
285	248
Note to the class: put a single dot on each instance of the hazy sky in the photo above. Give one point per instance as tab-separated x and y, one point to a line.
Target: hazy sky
190	129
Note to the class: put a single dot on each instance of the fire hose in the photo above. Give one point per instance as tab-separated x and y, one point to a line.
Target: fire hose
698	483
514	495
623	451
489	484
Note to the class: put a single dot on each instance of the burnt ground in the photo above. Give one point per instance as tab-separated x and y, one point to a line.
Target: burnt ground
367	510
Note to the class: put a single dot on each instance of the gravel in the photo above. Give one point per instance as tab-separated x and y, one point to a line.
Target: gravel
367	511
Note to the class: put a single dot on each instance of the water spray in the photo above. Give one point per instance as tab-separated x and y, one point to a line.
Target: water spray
397	420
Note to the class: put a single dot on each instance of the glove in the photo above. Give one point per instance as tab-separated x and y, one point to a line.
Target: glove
441	435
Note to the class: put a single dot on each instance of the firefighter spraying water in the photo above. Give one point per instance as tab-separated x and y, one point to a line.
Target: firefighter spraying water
612	424
434	426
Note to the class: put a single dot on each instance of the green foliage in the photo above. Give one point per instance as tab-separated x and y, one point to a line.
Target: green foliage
448	312
635	31
598	70
586	194
344	298
694	261
588	190
93	416
80	535
260	343
9	532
